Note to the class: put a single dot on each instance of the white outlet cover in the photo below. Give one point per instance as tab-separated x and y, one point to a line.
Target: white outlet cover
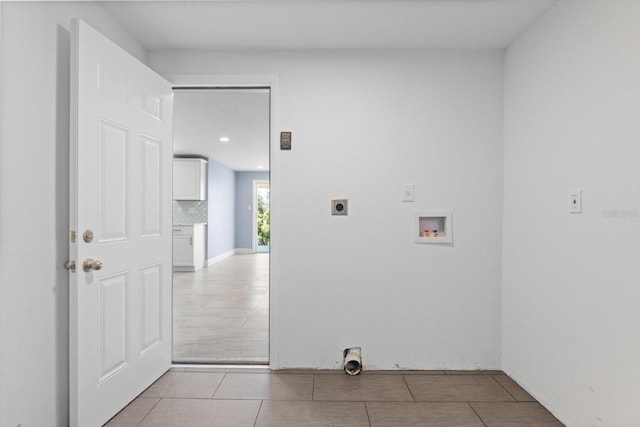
408	192
575	200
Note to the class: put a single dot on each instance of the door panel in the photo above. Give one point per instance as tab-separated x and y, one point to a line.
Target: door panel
150	187
121	173
113	328
150	308
113	185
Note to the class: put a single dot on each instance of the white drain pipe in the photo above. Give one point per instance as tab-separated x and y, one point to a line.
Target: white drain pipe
353	360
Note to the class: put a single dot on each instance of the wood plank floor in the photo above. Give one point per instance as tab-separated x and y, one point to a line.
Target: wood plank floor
221	313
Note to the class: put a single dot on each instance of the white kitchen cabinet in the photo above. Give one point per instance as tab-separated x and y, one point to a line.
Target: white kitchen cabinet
188	247
189	179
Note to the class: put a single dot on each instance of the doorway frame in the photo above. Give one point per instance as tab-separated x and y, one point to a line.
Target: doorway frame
254	207
247	81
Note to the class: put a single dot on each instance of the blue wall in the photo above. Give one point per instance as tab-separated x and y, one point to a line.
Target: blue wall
230	219
222	188
244	210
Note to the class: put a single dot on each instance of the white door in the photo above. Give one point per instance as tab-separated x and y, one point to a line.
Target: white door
121	170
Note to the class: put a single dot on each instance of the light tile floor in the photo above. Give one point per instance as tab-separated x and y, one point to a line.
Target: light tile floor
253	396
221	313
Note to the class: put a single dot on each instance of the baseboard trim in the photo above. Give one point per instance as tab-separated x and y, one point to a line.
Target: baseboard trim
220	257
236	251
244	250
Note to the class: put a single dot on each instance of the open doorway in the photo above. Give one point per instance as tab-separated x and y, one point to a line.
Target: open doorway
221	307
262	220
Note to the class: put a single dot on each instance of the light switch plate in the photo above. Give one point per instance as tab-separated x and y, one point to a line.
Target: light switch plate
575	200
408	192
339	206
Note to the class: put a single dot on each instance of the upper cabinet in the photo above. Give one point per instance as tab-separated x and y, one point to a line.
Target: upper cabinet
189	179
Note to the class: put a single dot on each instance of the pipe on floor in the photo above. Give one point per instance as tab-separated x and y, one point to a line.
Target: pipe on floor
353	360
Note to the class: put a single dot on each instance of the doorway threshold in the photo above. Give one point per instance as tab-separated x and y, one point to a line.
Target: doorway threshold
258	361
221	367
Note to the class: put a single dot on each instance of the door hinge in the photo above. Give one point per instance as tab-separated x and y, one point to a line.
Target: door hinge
70	265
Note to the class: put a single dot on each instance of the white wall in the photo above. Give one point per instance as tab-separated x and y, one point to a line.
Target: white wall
363	124
34	147
571	282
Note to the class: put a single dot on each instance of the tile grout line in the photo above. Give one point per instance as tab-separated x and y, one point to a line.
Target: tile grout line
408	388
219	384
147	414
366	408
505	389
391	401
258	413
189	398
477	414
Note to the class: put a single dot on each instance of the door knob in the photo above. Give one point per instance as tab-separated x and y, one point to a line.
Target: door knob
90	264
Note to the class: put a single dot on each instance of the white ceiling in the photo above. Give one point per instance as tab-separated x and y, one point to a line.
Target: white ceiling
326	24
202	117
302	24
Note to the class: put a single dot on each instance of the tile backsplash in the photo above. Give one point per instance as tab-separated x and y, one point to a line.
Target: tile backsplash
187	212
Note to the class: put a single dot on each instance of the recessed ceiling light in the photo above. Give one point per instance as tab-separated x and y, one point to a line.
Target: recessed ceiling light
224	139
260	167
